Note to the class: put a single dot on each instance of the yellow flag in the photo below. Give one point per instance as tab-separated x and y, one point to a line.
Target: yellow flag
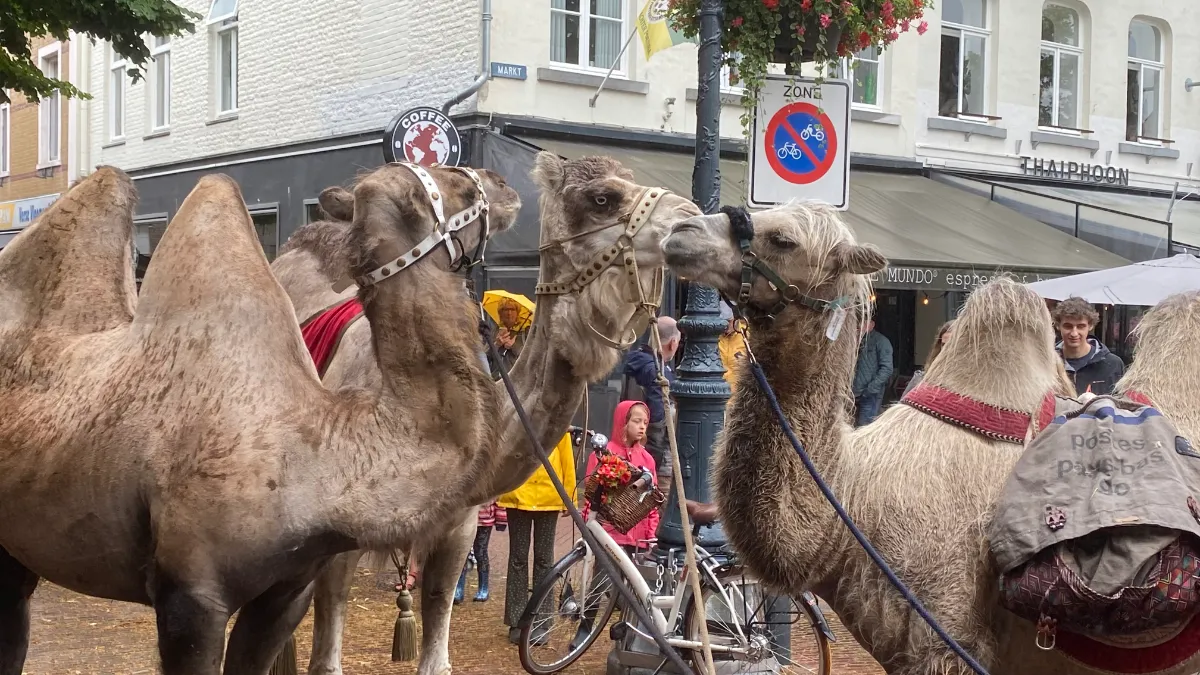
652	27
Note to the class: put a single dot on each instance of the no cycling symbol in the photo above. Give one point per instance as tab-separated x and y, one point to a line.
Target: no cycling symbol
800	143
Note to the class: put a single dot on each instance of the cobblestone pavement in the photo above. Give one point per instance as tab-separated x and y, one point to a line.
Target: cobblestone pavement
78	635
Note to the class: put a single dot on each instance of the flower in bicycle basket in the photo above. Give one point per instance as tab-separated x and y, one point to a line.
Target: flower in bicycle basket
612	472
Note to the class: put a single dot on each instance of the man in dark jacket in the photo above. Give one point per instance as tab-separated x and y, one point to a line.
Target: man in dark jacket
1089	363
640	367
871	374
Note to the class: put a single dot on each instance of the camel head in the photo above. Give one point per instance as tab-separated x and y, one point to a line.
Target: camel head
337	202
1166	360
806	244
586	207
393	212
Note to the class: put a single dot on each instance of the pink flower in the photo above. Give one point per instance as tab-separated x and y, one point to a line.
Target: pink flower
825	21
892	35
887	9
737	22
847	6
800	31
770	4
806	5
922	27
904	25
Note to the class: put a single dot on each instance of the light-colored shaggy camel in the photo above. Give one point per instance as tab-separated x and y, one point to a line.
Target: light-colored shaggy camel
922	490
560	357
184	455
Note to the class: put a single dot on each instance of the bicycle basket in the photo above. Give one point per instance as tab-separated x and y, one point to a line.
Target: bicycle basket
623	507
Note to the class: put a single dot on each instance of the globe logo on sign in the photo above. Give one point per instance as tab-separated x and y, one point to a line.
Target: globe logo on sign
657	11
424	136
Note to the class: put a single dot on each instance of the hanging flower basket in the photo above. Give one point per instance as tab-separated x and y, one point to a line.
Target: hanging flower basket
756	33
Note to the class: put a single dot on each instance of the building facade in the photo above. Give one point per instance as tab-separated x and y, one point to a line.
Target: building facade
38	142
1036	137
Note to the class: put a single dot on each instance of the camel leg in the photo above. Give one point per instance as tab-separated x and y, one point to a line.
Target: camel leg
191	631
263	626
16	587
331	593
443	564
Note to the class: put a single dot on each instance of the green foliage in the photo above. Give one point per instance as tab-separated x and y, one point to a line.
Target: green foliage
123	23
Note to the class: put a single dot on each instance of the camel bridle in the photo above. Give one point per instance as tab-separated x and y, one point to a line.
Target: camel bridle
742	228
646	303
445	230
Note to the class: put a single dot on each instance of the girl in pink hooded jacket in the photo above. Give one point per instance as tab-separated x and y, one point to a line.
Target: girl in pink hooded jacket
630	420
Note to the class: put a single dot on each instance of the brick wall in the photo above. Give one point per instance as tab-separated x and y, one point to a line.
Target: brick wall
23	180
306	71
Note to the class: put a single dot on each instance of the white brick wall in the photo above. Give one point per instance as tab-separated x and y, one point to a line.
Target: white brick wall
306	71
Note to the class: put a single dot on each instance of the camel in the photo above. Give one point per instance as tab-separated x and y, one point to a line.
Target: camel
589	197
921	489
184	454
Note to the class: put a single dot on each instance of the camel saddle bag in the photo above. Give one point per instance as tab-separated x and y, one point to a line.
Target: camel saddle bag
1097	529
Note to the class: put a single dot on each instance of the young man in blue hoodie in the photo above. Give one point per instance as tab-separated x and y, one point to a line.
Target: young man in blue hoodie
1089	363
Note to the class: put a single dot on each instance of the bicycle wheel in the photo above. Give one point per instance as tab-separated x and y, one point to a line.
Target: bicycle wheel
563	614
748	624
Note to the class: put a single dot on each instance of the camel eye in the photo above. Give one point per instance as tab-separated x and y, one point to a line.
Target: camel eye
781	241
601	200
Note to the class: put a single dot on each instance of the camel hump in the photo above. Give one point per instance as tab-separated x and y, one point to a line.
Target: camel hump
71	271
209	273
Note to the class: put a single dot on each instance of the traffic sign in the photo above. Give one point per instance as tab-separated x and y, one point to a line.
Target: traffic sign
799	142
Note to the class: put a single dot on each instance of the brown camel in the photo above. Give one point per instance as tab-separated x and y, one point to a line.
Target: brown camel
184	455
591	197
922	490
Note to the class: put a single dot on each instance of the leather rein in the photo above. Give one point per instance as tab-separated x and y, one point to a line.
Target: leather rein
646	303
445	230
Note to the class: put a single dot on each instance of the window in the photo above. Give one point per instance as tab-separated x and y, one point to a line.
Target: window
5	134
266	224
586	33
147	231
160	52
962	80
729	76
1144	83
49	111
865	71
116	96
313	211
222	18
1061	59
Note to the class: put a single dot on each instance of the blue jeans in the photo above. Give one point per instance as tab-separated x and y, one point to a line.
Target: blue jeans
866	408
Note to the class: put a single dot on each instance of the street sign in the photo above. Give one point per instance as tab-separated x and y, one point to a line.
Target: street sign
799	143
511	71
422	136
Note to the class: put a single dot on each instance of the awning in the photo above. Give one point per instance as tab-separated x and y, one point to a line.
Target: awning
935	236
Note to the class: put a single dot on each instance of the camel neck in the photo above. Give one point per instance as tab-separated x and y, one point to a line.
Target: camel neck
774	513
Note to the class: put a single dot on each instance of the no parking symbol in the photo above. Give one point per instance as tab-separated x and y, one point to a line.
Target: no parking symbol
799	143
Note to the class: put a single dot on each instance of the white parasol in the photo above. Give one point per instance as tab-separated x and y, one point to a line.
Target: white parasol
1144	283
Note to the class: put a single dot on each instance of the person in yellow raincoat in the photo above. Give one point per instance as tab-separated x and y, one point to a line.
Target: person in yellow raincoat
732	347
534	507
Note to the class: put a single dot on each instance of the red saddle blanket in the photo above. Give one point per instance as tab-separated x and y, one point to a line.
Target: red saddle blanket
323	332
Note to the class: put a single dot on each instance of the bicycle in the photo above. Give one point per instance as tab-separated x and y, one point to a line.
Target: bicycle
789	148
734	606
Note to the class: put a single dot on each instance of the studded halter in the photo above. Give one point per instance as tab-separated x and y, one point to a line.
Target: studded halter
647	303
444	230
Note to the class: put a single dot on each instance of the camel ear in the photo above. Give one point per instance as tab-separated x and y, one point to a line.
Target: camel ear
548	171
859	258
337	202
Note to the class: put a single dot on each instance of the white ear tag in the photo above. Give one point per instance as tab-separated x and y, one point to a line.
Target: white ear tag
835	323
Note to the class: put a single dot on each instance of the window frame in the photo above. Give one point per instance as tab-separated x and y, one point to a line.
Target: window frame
162	51
962	31
309	203
117	66
585	37
211	20
147	221
1057	49
261	210
228	26
1144	64
5	138
847	66
50	155
726	74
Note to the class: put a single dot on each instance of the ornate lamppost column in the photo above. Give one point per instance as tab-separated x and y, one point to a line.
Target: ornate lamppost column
699	386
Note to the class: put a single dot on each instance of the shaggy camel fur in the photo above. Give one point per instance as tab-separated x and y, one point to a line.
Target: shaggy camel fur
1166	360
561	356
185	455
922	490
